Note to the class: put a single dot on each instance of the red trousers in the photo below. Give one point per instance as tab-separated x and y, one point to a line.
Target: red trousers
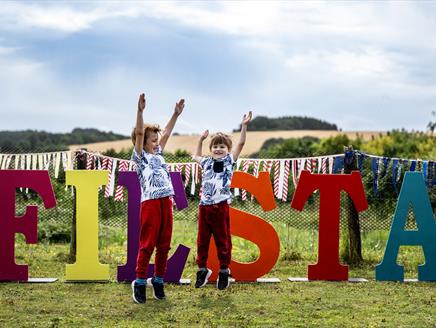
156	229
214	220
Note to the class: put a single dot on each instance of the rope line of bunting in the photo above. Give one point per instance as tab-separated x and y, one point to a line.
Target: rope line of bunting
284	171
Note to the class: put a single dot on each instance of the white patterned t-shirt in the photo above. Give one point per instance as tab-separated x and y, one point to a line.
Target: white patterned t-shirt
153	175
217	175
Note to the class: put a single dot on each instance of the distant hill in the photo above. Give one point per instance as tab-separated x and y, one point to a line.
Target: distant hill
40	141
254	142
263	123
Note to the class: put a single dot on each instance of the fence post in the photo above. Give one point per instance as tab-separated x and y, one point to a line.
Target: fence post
81	165
352	252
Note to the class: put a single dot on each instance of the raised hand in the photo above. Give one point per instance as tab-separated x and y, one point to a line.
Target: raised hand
247	118
204	135
178	109
141	102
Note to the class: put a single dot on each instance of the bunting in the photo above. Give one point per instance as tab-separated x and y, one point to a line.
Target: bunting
281	169
245	167
285	180
109	164
276	178
187	173
122	167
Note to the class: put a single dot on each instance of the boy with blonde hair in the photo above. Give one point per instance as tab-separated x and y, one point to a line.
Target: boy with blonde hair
156	214
213	212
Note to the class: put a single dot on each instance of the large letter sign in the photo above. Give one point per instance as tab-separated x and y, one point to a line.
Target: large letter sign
330	186
87	266
413	192
252	228
27	224
176	263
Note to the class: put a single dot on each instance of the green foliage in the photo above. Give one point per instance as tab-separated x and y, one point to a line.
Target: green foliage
287	148
41	141
54	232
179	156
396	143
402	144
335	145
263	123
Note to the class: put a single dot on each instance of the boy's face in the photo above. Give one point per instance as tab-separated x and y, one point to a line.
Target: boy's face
219	151
152	142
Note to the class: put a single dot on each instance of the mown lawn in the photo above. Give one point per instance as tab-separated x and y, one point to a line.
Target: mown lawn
287	304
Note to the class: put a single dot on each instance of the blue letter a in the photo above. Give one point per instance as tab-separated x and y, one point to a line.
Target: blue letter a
414	192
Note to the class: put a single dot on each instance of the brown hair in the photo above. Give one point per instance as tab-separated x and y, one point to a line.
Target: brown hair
148	129
221	138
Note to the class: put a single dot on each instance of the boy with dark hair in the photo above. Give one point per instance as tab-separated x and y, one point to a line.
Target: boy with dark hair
213	212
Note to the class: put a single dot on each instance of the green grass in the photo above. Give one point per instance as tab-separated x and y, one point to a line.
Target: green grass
323	304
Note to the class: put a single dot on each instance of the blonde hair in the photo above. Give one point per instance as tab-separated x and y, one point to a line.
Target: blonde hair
220	138
148	129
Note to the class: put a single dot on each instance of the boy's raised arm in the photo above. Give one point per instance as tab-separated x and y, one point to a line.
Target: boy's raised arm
178	109
245	120
198	151
139	128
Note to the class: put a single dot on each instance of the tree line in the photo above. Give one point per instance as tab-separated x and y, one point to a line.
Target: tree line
263	123
40	141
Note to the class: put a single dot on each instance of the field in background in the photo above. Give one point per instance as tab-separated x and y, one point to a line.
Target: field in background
255	140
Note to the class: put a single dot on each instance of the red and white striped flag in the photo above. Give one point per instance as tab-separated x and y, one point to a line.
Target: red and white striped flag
324	165
276	177
198	173
295	172
256	167
104	163
245	167
89	161
122	167
255	172
265	166
309	165
109	168
285	180
187	174
314	161
179	167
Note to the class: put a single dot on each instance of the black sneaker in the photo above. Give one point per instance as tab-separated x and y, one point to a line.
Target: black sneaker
202	278
158	288
138	292
223	281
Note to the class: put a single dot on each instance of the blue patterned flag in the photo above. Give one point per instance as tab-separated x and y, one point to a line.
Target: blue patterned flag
412	166
338	164
394	174
360	160
375	175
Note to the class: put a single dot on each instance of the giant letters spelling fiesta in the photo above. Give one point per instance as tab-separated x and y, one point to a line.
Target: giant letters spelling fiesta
330	186
413	192
10	180
245	225
87	266
176	263
252	228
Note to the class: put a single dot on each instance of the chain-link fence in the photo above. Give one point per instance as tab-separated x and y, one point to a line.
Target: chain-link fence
381	189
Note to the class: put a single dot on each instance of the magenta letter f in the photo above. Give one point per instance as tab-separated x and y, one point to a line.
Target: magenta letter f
10	180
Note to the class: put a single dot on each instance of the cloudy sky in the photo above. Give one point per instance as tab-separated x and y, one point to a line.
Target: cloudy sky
361	65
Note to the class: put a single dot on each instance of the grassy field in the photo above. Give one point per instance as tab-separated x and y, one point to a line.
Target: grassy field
310	304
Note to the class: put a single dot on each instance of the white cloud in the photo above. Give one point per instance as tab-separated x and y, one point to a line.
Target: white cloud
308	58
